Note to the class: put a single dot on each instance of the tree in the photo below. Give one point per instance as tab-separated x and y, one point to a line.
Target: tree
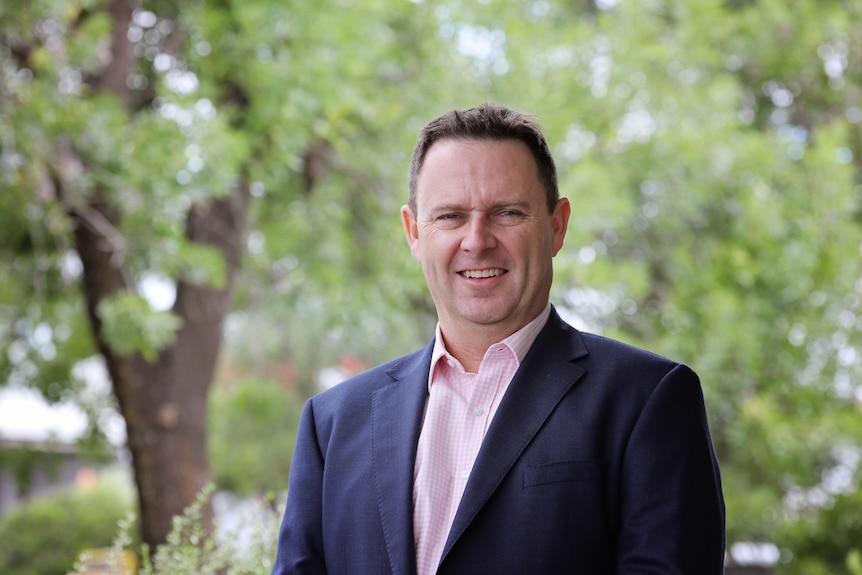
134	137
81	148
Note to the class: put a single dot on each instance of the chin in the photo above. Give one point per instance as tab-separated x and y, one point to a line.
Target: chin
491	317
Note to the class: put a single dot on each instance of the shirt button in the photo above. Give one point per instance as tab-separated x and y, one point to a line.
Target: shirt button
465	474
477	411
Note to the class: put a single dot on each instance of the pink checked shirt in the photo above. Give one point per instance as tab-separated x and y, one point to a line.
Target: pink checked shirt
460	408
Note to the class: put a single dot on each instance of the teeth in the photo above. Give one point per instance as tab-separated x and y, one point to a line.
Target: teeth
482	273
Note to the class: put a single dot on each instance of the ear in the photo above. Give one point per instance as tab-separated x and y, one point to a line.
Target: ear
560	223
411	229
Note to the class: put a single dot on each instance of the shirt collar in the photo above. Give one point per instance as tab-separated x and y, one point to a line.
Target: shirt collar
519	342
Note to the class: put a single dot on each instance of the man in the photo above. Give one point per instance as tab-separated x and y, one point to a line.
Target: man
513	443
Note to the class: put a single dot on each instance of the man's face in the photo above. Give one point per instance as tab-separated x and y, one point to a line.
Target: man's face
483	235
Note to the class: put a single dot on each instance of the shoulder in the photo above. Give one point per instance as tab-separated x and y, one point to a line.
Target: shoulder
613	366
607	350
633	375
607	374
594	351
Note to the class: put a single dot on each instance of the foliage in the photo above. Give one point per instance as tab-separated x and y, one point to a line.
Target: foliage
728	219
44	536
252	426
193	550
131	327
827	539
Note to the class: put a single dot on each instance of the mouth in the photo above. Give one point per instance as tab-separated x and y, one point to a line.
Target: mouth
482	274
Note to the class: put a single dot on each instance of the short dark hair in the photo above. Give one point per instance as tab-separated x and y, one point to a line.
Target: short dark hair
487	122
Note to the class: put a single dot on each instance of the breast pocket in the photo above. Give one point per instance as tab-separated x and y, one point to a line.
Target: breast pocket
562	472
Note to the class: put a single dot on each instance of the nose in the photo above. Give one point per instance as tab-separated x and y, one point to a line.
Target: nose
478	235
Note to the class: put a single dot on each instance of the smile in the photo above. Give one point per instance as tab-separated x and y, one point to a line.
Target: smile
478	274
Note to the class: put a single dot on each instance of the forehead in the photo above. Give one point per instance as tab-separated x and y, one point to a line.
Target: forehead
471	170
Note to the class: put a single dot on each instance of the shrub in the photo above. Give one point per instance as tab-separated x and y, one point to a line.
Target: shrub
43	537
191	550
252	426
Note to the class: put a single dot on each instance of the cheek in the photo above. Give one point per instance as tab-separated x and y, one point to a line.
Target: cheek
528	246
436	248
546	243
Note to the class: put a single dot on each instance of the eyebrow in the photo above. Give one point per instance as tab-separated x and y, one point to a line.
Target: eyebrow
506	204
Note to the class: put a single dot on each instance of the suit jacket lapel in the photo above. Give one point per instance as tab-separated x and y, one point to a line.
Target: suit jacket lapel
396	419
543	379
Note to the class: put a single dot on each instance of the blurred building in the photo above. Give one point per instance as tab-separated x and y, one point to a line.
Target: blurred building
38	449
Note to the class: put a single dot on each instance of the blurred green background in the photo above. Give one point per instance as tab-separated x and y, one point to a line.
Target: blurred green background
712	151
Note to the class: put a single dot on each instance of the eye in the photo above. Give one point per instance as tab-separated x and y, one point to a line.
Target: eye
510	214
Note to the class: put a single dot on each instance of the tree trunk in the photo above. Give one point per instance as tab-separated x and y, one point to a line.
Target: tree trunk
164	402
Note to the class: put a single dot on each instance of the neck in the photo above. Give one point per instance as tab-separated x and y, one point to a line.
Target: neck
470	348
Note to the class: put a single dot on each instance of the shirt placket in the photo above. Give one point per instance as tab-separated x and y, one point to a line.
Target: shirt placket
476	415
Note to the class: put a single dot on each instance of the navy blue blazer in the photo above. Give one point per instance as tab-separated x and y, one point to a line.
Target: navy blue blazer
598	462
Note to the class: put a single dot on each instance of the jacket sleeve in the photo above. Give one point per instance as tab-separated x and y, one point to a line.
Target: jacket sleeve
671	504
300	539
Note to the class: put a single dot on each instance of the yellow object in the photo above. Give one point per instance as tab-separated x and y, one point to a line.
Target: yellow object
107	562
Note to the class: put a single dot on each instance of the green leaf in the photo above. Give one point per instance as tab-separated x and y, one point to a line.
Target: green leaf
130	326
